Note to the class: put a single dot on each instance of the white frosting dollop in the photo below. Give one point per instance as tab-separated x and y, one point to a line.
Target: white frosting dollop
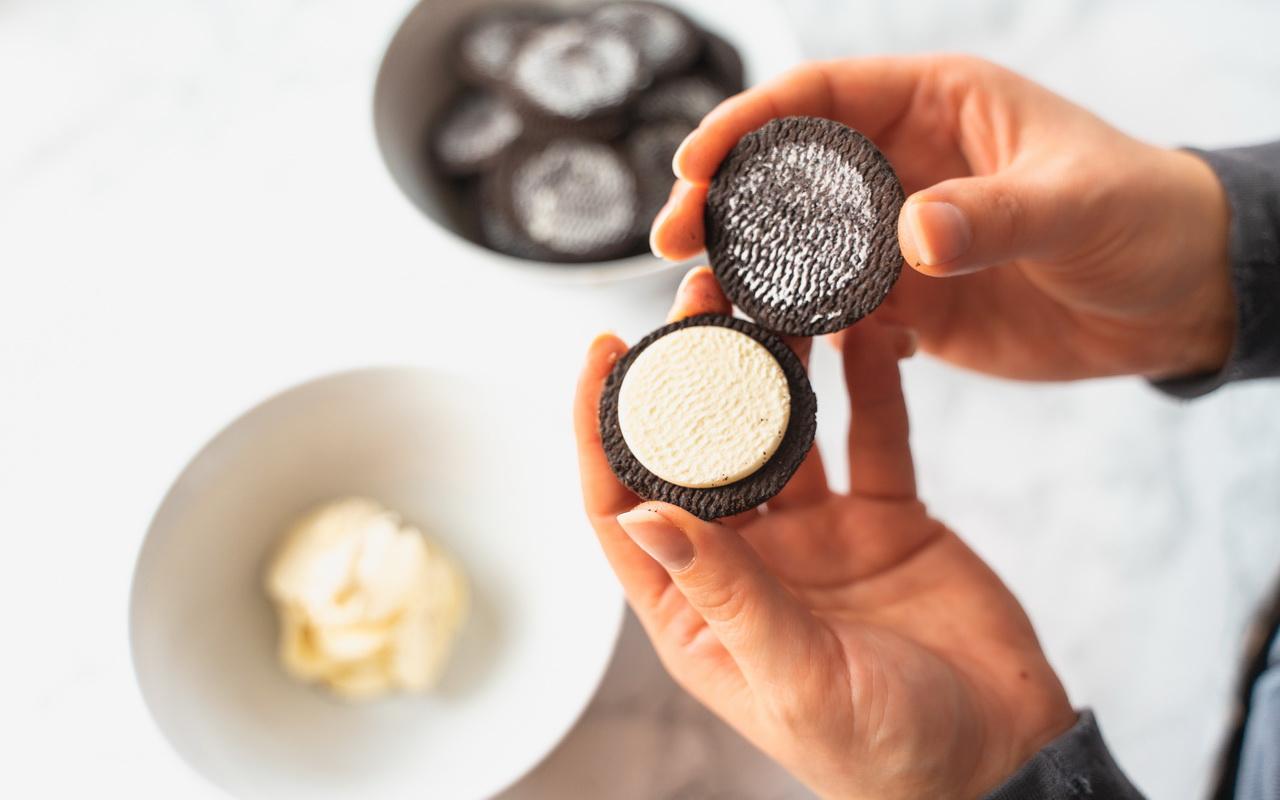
367	604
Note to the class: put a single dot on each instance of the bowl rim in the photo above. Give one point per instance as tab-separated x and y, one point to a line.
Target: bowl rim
448	375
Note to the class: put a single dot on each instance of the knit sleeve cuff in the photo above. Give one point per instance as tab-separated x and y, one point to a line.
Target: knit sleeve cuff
1075	766
1250	177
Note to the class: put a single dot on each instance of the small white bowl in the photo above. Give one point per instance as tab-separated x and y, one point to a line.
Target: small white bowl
415	81
480	465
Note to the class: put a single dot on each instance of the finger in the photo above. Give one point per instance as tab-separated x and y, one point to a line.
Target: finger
768	633
809	483
927	305
966	224
699	293
903	340
677	232
879	448
741	520
602	494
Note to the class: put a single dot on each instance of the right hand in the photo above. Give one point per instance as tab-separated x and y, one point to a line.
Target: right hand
1047	245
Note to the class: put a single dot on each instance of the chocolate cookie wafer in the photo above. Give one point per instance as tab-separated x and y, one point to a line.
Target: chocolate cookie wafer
713	414
475	129
801	225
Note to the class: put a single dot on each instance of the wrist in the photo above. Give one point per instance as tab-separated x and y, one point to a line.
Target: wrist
1018	732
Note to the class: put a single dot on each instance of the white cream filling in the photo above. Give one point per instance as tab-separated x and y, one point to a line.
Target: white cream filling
704	406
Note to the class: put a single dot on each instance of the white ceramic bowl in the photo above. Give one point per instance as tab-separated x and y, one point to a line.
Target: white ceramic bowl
415	82
492	478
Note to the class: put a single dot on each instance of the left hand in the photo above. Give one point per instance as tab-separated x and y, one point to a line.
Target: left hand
851	637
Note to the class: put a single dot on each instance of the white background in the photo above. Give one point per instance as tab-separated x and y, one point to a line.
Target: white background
193	215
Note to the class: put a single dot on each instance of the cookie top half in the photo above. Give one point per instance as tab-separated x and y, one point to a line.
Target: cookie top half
712	413
801	225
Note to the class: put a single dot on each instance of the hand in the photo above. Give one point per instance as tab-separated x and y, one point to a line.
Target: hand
1069	250
851	637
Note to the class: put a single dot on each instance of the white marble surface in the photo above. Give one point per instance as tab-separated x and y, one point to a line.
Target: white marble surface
192	214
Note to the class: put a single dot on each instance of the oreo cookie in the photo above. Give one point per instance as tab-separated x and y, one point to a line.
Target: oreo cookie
650	148
801	225
493	226
487	42
574	70
573	199
649	405
720	62
687	97
474	131
668	42
605	127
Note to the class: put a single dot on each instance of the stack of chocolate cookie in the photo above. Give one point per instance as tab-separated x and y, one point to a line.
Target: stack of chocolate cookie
561	136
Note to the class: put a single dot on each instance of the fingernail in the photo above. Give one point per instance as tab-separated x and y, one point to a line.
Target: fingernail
938	231
654	534
689	278
683	289
600	338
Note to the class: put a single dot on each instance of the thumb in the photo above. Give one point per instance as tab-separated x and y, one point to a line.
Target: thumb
967	224
762	625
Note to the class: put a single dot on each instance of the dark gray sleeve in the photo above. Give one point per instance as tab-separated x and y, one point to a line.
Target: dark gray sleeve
1251	178
1075	766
